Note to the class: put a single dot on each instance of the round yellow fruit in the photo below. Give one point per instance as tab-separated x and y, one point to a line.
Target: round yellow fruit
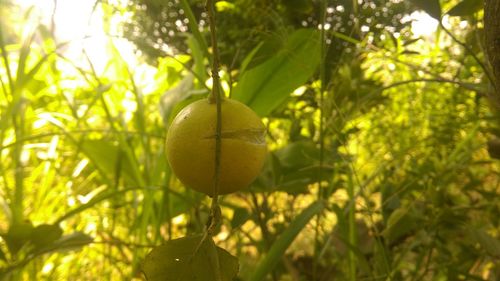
191	146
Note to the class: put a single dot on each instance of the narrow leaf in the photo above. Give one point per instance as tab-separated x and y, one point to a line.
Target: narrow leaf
73	241
193	26
284	240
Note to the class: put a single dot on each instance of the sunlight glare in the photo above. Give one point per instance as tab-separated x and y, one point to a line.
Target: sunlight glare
47	268
421	23
80	24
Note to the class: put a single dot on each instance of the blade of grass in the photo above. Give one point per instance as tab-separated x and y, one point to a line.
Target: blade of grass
285	239
6	59
97	199
17	203
352	229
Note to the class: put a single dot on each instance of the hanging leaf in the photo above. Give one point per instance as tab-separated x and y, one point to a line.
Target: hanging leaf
432	7
182	260
266	86
466	8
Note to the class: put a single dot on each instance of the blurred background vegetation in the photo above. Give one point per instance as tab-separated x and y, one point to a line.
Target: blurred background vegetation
382	131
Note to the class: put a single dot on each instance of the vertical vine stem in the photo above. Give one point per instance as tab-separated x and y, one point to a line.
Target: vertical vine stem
215	97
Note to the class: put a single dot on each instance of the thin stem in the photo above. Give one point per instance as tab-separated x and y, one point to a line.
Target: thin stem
217	98
352	229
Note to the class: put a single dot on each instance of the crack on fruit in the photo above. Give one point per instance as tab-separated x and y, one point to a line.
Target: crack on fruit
254	136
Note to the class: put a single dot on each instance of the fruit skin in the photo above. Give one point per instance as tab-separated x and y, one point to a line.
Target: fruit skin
190	146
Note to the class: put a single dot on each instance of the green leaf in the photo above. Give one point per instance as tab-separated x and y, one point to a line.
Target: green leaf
299	163
298	155
189	259
401	222
100	197
297	182
193	26
270	174
45	234
2	256
267	86
487	242
72	241
199	61
250	57
105	155
18	235
466	8
284	240
240	216
432	7
174	96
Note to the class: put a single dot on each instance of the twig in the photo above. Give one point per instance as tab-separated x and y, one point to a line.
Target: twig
216	98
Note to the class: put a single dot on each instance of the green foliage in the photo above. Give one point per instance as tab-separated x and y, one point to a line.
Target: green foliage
190	258
267	85
465	8
243	24
283	242
387	169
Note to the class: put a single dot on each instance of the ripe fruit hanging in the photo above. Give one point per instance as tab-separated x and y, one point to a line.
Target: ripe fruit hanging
191	146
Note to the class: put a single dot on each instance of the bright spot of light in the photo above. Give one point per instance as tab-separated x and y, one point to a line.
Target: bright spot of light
47	268
178	219
421	23
81	24
222	235
299	91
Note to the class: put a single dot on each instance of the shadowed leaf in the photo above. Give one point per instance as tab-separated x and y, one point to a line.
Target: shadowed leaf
180	260
466	8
